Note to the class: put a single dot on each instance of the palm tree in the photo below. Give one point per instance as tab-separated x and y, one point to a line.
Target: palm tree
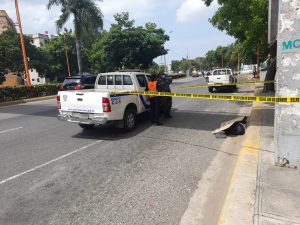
87	17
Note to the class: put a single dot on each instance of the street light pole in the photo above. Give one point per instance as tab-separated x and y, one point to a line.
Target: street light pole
22	44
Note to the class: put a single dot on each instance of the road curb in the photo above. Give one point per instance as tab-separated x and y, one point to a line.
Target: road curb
239	204
23	101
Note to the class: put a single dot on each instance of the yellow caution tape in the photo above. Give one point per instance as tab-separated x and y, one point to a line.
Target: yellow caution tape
229	84
266	99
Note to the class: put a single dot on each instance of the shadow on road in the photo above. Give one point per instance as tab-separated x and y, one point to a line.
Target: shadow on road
199	121
195	120
110	132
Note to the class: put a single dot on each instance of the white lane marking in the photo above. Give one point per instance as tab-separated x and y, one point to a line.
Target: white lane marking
5	131
47	163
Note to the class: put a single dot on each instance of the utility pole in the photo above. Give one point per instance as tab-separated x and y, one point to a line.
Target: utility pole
23	45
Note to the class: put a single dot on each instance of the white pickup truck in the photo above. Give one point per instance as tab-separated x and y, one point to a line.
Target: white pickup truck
100	106
221	77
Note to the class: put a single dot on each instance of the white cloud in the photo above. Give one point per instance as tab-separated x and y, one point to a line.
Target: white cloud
194	10
137	8
35	17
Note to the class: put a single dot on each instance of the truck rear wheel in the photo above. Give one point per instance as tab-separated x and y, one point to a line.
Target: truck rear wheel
86	126
129	119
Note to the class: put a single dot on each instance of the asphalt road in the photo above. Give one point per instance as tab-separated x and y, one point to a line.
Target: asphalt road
53	172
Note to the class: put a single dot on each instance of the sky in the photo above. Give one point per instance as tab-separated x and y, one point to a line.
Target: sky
185	21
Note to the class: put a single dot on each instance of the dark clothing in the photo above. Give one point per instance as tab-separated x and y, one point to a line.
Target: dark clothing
163	85
166	102
155	109
254	71
154	105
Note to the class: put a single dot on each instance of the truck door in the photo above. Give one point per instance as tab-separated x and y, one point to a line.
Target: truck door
144	103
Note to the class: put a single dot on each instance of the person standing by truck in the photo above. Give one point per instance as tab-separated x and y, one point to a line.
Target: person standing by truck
254	71
154	100
163	85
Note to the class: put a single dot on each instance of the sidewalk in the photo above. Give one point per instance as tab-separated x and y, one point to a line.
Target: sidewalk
278	189
260	192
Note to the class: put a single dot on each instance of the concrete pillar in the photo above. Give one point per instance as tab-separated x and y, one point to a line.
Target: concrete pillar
287	116
273	20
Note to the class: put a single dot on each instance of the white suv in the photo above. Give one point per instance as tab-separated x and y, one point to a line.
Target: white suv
220	77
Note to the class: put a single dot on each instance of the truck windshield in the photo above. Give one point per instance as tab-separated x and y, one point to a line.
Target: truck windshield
219	72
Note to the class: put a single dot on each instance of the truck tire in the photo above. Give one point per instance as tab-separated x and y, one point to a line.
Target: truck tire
129	119
86	126
210	89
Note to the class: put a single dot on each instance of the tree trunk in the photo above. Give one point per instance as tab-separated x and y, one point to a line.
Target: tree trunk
258	54
79	59
78	44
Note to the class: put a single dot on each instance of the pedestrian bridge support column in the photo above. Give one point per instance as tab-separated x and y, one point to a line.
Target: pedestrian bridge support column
287	116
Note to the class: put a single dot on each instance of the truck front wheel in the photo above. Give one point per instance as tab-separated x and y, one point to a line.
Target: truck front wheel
129	119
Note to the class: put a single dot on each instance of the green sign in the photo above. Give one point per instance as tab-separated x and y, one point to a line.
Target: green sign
291	44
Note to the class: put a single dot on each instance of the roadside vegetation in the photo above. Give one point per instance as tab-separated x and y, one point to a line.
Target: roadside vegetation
24	92
126	46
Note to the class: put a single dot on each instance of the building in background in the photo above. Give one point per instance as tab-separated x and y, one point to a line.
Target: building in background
5	22
39	41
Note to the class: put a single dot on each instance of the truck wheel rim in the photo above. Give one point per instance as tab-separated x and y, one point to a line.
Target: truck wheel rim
130	120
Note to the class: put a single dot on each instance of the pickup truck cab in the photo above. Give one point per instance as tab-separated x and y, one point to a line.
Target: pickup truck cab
222	76
100	105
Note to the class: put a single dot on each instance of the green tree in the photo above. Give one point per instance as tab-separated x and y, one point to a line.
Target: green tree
246	20
11	59
176	66
87	19
211	60
197	64
54	53
126	46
